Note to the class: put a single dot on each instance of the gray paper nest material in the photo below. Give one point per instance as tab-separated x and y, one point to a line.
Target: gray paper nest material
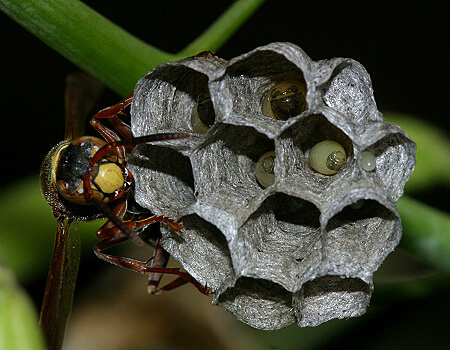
304	249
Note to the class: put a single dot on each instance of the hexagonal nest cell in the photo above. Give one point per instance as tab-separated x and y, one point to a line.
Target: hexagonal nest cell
286	188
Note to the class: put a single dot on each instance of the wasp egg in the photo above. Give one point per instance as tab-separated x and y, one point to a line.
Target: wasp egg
203	115
368	161
265	169
327	157
285	100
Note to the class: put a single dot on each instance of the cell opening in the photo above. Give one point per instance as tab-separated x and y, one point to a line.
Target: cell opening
269	84
326	148
361	234
394	161
237	150
332	284
359	211
259	303
349	92
173	97
284	226
294	211
164	178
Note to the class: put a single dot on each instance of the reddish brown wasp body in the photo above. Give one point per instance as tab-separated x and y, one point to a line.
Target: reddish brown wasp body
85	178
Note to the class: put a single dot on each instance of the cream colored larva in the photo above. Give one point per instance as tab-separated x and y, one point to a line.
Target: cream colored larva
265	169
203	115
327	157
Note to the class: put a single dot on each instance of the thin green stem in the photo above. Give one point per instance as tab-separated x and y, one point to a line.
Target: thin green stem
223	28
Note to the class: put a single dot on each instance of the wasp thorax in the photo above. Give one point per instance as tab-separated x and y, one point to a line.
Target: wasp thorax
327	157
265	169
285	100
203	115
368	161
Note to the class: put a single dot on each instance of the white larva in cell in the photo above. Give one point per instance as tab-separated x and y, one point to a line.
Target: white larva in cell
327	157
203	115
368	161
265	169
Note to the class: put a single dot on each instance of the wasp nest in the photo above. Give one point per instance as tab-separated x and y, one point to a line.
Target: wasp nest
286	189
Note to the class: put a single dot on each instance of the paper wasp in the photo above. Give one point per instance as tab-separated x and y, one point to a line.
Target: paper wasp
85	178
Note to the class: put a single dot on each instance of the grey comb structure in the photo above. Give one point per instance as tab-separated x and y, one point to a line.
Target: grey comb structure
303	249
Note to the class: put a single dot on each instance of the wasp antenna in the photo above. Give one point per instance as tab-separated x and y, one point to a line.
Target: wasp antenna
106	211
136	141
154	137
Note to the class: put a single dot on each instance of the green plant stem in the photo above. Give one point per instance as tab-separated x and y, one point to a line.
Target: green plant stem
426	232
225	26
103	49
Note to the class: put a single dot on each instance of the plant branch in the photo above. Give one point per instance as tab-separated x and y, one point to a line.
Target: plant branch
223	28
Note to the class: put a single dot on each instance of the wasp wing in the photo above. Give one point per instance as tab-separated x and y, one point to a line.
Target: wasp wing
58	297
82	91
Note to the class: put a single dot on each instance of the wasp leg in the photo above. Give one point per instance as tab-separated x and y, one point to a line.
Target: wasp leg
112	112
160	259
122	127
140	266
109	229
119	145
204	54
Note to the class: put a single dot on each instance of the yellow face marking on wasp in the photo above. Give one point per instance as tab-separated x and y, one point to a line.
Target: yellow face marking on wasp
109	178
